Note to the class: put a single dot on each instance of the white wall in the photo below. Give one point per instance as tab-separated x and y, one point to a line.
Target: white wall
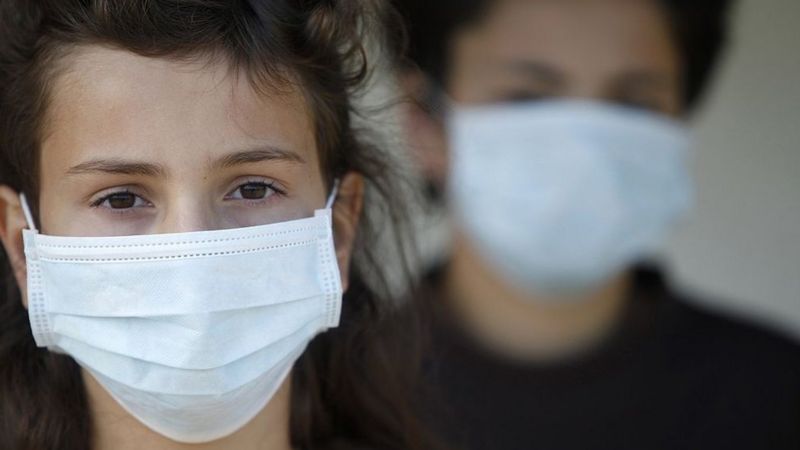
743	243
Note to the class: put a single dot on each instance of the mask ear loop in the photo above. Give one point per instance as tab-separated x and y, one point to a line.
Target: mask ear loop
334	194
27	211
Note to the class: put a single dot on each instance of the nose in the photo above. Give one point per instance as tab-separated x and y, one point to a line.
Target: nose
186	214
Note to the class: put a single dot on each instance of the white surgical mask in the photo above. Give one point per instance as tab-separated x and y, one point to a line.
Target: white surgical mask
191	333
560	196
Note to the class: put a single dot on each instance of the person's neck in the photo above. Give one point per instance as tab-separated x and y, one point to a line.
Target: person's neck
522	326
115	429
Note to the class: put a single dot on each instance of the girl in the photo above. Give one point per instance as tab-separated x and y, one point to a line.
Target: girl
182	194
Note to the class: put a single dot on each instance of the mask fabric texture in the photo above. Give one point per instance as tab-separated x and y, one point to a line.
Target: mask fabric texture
560	196
191	333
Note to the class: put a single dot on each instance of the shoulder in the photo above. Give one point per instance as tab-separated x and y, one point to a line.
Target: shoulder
738	371
690	333
732	334
721	343
694	318
726	371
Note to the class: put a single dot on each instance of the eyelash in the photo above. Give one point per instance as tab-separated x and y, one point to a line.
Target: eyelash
525	97
98	203
269	185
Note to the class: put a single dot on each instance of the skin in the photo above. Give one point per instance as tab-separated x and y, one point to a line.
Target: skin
617	51
138	145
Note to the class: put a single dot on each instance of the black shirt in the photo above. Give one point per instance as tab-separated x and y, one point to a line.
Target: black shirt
674	376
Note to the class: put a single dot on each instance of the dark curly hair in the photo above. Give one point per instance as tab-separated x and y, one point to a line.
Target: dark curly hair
349	385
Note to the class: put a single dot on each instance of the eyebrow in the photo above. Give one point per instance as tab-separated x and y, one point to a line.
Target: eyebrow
257	155
117	166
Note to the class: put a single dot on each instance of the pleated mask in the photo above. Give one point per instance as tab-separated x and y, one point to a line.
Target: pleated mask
191	333
560	196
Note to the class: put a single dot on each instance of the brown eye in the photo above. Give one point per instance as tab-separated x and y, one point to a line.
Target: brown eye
122	200
254	191
640	101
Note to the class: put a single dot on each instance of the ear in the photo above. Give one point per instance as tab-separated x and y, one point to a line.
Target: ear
12	222
424	133
347	209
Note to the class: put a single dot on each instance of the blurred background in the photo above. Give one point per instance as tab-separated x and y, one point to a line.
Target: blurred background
742	244
740	250
659	374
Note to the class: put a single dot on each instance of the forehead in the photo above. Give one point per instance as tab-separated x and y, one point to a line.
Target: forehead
602	35
120	104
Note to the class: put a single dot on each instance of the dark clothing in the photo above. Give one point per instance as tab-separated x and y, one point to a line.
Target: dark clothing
673	376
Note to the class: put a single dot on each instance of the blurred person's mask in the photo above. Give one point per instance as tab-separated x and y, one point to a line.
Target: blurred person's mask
191	333
560	196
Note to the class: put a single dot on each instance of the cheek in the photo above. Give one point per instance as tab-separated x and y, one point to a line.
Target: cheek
246	215
671	101
58	214
470	85
674	106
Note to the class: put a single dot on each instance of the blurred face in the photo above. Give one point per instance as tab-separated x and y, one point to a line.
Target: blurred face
618	51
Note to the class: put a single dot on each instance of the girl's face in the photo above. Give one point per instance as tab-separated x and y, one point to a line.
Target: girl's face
141	146
136	145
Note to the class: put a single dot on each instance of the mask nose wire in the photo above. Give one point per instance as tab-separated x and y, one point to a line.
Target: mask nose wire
27	211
